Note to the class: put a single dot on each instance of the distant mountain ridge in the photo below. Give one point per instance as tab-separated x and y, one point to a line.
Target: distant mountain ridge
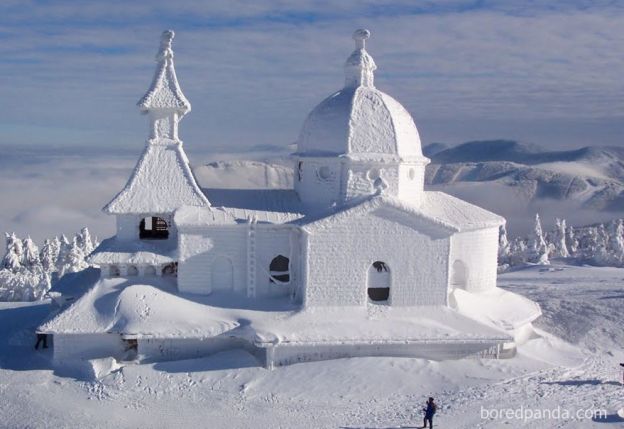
593	177
521	153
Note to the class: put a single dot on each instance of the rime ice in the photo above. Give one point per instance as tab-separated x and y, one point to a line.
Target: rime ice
357	260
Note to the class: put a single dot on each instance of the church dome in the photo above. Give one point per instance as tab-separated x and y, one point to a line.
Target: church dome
360	121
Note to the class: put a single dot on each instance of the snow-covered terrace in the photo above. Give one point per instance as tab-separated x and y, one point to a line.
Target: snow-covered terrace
136	310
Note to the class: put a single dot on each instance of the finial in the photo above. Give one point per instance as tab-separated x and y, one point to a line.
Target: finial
165	50
164	100
360	36
360	66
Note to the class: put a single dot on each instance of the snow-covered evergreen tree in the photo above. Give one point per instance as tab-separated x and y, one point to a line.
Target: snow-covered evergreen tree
62	261
538	249
31	255
616	240
571	241
503	246
75	258
49	254
26	271
85	242
560	247
14	253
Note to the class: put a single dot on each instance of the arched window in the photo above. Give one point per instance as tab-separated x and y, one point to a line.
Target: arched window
114	271
133	271
379	282
153	228
170	269
459	275
279	270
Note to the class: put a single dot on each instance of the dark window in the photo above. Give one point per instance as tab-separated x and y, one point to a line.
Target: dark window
279	270
379	281
379	293
170	269
153	228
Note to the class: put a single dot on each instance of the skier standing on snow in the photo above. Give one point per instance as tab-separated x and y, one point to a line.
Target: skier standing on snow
430	410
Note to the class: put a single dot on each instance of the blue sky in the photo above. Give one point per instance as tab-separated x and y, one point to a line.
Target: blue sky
544	72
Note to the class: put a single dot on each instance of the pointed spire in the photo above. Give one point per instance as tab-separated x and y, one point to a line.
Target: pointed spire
360	66
164	101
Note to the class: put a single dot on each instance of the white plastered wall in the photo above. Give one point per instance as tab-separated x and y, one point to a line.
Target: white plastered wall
198	250
340	255
87	346
317	180
478	251
411	182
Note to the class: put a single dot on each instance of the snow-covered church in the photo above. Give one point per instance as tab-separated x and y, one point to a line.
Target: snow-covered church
357	260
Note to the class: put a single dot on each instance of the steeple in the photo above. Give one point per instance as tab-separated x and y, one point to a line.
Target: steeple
360	65
164	102
162	180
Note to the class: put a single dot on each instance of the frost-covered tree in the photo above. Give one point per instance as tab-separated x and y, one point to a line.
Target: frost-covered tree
571	241
14	253
538	249
49	254
75	258
31	255
62	261
85	242
616	240
517	251
26	273
503	246
560	248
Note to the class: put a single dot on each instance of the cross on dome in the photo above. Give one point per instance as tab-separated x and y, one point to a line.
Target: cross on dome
360	66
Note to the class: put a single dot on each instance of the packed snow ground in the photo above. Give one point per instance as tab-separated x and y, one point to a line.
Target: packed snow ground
582	305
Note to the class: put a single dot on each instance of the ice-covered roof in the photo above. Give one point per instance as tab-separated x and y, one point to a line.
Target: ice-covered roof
438	213
131	308
164	92
270	200
162	181
459	213
359	119
113	251
191	217
187	217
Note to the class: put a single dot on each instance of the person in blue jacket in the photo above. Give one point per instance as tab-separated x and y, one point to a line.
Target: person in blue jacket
430	411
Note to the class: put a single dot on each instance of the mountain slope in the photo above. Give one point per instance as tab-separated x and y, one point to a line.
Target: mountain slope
590	177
